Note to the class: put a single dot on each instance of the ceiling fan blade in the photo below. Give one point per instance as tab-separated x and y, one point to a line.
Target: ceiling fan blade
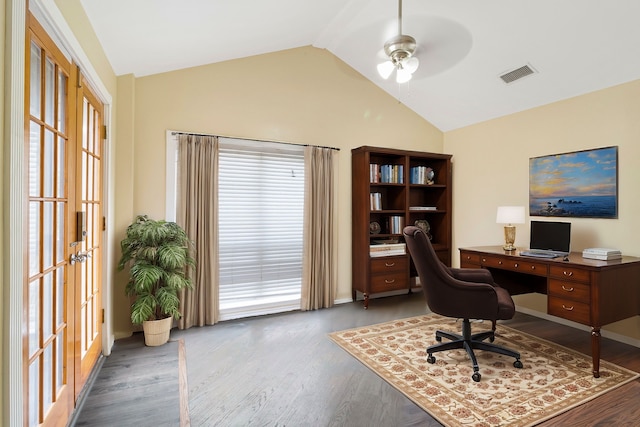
385	69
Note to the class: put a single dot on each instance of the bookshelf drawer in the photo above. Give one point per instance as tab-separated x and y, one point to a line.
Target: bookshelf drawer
569	309
386	265
389	282
569	273
570	290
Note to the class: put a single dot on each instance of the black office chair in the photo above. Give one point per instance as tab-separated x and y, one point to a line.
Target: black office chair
460	293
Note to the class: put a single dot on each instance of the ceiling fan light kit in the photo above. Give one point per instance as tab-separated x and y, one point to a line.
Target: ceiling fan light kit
400	50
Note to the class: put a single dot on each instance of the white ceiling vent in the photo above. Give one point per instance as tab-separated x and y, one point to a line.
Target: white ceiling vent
518	73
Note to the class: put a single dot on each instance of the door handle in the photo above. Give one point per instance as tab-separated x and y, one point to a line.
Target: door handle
79	257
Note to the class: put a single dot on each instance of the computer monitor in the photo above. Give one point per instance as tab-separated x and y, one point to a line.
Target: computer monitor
550	236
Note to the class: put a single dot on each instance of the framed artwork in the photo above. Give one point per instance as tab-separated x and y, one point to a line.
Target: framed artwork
582	184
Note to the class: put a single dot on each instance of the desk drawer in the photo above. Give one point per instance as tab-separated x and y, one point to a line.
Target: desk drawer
569	273
386	265
469	259
569	309
520	265
389	282
579	292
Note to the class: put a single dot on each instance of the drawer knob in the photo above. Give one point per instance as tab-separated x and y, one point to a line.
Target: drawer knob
389	264
533	267
567	289
500	262
567	308
468	257
568	273
387	281
484	260
516	265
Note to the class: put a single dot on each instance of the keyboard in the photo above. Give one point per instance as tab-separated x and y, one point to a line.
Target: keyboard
538	254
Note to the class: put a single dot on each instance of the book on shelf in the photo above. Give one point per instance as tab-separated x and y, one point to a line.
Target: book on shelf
375	200
386	174
387	249
396	224
421	175
423	208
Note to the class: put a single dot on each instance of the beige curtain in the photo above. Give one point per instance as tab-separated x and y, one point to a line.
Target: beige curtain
319	269
198	215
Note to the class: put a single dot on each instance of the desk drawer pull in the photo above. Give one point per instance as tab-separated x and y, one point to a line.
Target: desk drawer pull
568	273
533	267
389	264
516	265
567	308
387	281
499	262
484	260
567	289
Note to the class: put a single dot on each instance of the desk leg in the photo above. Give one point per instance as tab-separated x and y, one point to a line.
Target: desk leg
595	350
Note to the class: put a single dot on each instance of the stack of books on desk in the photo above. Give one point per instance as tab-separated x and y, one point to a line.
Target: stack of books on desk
604	254
389	249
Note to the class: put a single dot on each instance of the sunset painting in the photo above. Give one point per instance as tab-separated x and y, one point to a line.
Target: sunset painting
578	184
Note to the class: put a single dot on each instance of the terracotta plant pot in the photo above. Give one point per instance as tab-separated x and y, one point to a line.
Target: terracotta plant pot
156	332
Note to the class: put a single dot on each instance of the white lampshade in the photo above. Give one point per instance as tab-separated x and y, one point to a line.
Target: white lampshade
510	215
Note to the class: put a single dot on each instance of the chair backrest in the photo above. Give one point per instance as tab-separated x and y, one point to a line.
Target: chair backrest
445	294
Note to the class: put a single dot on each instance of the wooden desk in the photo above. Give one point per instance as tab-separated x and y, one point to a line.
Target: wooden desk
586	291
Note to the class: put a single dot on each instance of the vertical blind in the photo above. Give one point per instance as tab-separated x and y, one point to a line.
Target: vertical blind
261	205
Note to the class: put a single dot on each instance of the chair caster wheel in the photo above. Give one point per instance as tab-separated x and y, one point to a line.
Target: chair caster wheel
517	364
476	377
431	359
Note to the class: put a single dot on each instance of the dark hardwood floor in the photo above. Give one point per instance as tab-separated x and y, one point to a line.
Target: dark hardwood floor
283	370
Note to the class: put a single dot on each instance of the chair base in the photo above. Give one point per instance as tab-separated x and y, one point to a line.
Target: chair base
469	343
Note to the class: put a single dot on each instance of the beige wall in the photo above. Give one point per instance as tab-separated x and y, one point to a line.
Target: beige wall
491	162
303	95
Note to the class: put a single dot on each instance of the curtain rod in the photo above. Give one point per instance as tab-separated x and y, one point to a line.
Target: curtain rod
251	139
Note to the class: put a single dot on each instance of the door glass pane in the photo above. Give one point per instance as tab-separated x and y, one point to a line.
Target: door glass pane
62	102
59	298
34	393
47	306
48	166
60	217
47	235
34	160
60	361
89	177
34	316
85	120
35	83
49	94
84	174
60	178
47	377
34	238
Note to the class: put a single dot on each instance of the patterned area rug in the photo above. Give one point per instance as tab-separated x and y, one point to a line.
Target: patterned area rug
553	380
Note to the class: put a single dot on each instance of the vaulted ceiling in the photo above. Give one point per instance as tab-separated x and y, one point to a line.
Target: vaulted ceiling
464	46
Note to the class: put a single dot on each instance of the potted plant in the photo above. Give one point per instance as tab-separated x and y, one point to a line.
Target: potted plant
159	255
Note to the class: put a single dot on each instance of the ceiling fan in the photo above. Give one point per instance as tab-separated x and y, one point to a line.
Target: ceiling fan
400	49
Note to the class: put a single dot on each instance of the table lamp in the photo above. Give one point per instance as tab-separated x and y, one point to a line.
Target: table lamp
510	215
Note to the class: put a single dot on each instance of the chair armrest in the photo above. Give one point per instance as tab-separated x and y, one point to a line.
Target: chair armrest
476	275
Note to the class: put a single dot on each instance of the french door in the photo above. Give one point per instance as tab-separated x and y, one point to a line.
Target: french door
62	292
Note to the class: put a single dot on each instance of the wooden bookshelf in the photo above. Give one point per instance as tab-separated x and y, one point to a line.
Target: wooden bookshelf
390	190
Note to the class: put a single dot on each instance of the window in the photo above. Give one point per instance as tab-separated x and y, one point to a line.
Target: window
260	214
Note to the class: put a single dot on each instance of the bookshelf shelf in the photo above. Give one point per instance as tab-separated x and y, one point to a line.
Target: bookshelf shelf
416	189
